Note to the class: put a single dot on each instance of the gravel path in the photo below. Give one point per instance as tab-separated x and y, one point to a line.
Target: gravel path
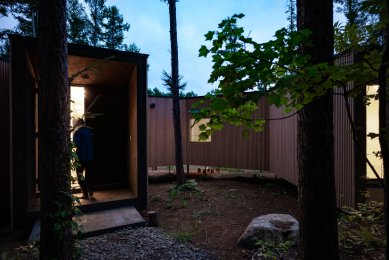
139	243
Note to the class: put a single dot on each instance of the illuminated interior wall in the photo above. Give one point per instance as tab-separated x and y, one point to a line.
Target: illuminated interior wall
77	96
77	108
372	145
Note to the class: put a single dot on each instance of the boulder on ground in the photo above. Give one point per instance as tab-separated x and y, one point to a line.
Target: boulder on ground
272	227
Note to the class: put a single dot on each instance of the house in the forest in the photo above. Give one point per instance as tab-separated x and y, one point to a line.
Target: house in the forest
111	91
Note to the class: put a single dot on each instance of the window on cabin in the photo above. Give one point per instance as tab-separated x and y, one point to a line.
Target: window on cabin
372	126
194	130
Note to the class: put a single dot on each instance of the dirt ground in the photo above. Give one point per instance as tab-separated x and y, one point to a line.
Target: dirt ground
215	216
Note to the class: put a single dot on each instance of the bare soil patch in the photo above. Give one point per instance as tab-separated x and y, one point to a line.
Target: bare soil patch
214	217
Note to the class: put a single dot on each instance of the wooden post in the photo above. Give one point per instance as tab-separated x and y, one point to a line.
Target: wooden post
153	218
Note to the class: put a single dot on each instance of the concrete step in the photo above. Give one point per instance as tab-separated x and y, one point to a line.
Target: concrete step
99	222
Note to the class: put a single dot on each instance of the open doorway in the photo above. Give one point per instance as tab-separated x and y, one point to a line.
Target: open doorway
104	111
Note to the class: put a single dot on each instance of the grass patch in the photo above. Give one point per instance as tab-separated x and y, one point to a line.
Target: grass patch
184	233
201	213
180	195
272	250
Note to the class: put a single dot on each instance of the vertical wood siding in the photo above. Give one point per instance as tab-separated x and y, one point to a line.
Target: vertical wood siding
160	131
283	145
4	142
229	148
344	147
343	150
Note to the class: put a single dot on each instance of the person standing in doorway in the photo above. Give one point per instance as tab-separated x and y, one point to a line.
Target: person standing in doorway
84	148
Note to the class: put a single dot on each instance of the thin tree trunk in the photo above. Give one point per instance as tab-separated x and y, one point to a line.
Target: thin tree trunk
317	194
180	175
384	116
56	233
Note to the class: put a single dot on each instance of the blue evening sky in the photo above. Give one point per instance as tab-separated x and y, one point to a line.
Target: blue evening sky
149	20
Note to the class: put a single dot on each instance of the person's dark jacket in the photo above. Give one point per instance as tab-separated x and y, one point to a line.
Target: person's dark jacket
83	139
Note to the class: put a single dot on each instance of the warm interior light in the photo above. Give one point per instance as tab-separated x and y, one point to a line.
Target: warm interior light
372	145
77	106
195	131
77	96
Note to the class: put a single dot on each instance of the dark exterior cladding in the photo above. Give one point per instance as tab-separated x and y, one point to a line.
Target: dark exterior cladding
5	142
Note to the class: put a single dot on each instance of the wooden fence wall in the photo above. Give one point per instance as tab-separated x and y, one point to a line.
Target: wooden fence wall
273	150
227	149
283	144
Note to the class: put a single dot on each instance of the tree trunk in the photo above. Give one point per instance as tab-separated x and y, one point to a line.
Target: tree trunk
180	175
54	118
384	116
317	194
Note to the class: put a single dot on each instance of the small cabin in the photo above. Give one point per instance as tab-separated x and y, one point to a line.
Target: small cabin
111	91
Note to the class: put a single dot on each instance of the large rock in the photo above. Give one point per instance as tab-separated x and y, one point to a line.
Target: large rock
271	227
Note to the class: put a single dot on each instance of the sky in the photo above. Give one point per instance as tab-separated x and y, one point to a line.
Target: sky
149	30
149	20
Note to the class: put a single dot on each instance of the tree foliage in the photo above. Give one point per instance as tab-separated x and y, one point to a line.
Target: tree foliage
155	92
167	82
246	71
77	23
97	11
114	28
93	23
23	12
363	28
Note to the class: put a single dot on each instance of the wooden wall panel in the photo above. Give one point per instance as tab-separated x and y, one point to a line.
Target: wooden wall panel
283	145
160	143
228	148
344	151
344	147
4	142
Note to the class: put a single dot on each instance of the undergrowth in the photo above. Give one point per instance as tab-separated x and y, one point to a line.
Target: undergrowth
181	194
271	250
361	231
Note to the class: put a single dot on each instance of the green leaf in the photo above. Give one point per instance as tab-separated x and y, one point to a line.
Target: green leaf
202	127
203	52
209	35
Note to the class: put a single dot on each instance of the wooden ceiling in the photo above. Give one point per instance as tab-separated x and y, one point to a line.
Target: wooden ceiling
92	71
99	72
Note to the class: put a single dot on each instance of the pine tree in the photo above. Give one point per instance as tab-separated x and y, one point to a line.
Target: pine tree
77	23
114	28
97	11
54	118
317	194
180	175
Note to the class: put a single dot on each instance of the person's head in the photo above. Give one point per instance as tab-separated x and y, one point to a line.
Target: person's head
79	122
